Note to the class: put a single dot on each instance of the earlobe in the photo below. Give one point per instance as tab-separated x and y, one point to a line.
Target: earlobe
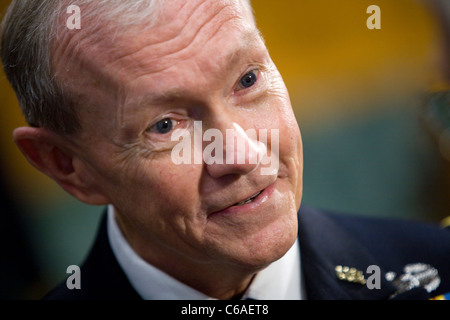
43	150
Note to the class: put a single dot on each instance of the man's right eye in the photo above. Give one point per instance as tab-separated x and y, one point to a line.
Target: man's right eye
164	126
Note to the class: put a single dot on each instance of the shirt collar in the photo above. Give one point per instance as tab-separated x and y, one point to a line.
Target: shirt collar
281	280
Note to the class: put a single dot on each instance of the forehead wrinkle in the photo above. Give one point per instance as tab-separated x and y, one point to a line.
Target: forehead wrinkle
167	37
95	40
79	59
156	38
249	40
90	50
156	56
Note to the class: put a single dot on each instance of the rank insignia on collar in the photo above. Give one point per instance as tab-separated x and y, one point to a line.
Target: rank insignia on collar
415	275
349	274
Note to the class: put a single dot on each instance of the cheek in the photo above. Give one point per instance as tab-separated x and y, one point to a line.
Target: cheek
163	203
290	146
282	118
154	190
291	141
164	185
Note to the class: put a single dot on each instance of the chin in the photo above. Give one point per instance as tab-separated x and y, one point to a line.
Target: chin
269	246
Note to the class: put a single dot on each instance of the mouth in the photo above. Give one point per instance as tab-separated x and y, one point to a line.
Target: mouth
250	204
248	200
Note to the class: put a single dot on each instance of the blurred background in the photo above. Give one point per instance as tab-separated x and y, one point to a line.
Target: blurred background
373	107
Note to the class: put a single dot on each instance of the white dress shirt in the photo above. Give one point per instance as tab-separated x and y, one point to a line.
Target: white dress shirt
281	280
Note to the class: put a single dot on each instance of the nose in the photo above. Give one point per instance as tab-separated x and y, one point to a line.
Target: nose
239	153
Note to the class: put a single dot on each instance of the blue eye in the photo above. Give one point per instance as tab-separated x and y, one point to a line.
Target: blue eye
164	126
248	80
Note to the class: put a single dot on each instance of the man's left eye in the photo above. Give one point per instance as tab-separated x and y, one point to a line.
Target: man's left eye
249	79
164	126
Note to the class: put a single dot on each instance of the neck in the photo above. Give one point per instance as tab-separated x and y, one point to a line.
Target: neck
222	281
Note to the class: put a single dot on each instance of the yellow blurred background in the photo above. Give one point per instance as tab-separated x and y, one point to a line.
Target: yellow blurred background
359	97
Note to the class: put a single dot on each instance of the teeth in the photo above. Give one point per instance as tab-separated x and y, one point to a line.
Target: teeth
248	200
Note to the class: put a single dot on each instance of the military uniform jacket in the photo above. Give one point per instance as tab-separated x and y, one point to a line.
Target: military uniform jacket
343	258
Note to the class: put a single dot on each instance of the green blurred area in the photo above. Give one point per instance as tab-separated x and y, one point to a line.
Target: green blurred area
359	97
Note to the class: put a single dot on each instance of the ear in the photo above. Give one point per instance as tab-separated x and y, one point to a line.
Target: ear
49	152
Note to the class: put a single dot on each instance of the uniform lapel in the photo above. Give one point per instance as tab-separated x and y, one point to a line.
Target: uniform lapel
325	245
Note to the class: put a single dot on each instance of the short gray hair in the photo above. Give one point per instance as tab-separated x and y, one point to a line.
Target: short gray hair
27	33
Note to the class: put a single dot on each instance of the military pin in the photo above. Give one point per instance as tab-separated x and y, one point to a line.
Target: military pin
415	275
349	274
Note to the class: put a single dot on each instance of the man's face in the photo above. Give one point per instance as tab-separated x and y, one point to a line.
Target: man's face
203	61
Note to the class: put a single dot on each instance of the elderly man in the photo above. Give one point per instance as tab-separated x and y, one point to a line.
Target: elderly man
110	96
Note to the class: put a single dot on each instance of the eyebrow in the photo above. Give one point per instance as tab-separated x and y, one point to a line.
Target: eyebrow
248	39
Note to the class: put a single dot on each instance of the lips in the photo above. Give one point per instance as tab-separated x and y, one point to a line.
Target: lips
249	204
